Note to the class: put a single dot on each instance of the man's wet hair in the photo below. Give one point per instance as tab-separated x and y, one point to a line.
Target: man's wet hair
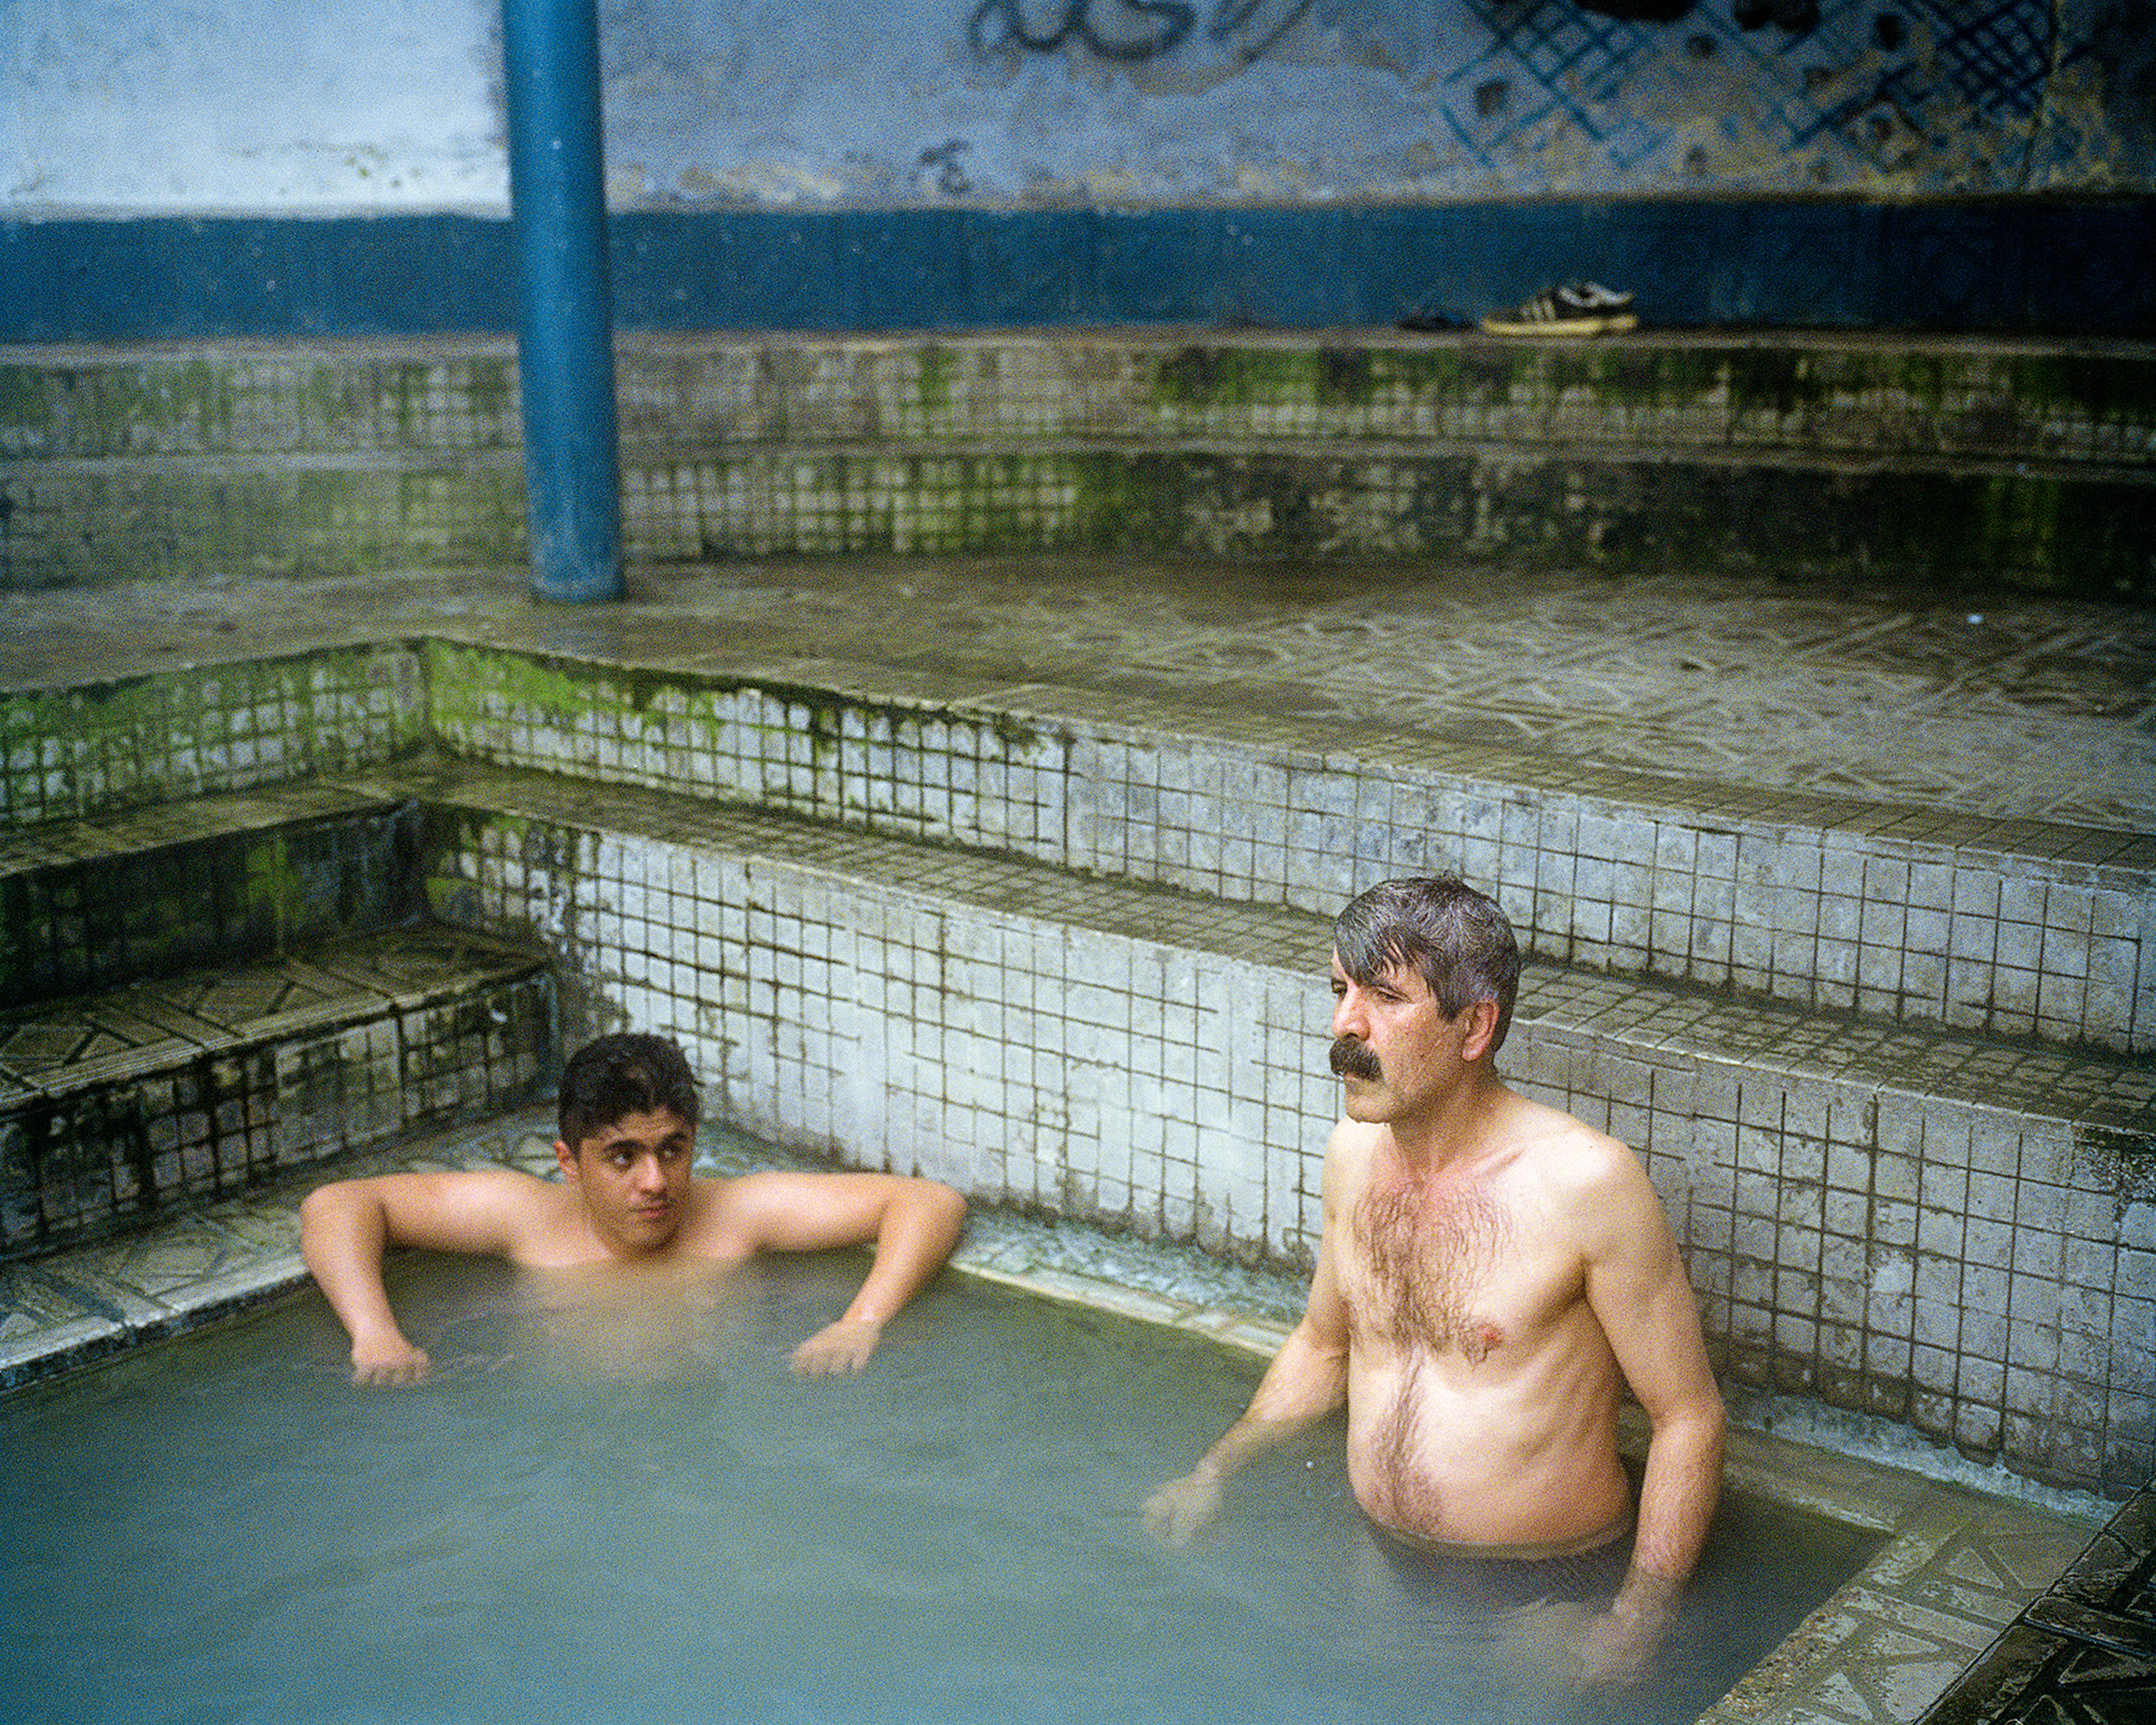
628	1073
1454	938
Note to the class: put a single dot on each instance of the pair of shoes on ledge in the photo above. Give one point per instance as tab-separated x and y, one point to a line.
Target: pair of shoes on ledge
1577	307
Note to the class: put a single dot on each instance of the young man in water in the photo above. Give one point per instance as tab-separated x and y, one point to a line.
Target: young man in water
626	1202
1489	1272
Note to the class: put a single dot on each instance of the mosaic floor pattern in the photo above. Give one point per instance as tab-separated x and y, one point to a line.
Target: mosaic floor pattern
2011	707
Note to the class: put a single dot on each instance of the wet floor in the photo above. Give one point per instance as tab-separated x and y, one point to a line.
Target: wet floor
2014	707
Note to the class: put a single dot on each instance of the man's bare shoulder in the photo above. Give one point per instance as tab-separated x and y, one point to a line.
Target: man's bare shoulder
1597	1183
1568	1154
734	1216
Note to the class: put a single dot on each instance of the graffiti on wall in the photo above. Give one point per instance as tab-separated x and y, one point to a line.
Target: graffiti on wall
890	102
1135	102
1131	30
1533	96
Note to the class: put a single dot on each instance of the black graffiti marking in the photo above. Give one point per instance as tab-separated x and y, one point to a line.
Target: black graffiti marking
1229	15
952	179
1175	18
997	25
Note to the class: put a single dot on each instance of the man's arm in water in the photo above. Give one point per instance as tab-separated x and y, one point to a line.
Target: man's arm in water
912	1224
345	1227
1637	1288
1306	1380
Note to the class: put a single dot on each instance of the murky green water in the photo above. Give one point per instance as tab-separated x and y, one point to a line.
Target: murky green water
584	1519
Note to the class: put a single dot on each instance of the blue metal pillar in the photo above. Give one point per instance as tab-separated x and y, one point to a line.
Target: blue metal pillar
565	350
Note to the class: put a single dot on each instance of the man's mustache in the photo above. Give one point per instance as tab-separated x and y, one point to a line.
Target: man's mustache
1354	1058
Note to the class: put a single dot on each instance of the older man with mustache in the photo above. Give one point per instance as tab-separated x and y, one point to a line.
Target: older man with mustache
1491	1273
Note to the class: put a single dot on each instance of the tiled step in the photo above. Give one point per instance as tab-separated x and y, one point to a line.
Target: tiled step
74	748
1924	1224
1798	454
115	1107
1815	392
2014	927
2019	928
1840	518
92	904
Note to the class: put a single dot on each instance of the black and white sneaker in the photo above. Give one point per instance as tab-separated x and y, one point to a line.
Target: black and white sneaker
1577	307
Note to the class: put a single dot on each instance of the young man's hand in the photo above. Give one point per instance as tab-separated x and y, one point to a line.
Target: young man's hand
843	1346
388	1359
1182	1506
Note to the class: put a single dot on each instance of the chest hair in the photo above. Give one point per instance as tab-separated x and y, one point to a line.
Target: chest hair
1425	1257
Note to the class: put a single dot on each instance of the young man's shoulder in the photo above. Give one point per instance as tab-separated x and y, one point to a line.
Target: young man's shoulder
524	1201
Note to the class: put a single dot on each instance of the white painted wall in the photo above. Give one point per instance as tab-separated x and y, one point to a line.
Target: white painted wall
277	106
266	106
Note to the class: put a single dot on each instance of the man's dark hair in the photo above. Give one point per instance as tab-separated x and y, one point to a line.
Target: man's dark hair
1456	939
625	1073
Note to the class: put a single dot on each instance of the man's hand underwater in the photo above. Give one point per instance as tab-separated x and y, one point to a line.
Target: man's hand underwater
388	1360
1182	1506
1616	1646
843	1346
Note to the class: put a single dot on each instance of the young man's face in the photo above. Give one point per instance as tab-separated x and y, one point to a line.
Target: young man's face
634	1177
1394	1049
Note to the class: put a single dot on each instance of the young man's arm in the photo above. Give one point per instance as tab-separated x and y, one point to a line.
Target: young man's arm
345	1227
1637	1288
1306	1380
912	1224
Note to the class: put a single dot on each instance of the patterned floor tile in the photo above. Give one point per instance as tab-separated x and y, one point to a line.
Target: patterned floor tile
2024	708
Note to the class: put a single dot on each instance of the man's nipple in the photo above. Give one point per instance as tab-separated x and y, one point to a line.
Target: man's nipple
1478	1338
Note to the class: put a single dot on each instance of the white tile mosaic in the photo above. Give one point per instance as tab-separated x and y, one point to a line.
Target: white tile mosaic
1820	915
1155	1061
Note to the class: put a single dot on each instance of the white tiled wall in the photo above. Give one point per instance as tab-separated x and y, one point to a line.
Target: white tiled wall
1965	1266
1793	897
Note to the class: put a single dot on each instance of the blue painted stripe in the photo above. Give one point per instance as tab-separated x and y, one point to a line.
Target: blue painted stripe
2037	265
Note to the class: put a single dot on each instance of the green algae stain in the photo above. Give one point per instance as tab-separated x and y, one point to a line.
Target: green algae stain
1345	377
1775	379
204	395
408	387
938	367
149	409
2105	388
327	395
486	387
272	894
1686	374
1203	376
29	411
181	733
1188	378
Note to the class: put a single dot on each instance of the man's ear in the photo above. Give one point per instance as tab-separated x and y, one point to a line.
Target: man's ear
1481	1018
567	1157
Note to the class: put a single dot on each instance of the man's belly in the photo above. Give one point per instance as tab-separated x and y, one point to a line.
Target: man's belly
1470	1466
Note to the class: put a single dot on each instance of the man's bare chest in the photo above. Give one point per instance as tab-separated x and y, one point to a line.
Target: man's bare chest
1464	1270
